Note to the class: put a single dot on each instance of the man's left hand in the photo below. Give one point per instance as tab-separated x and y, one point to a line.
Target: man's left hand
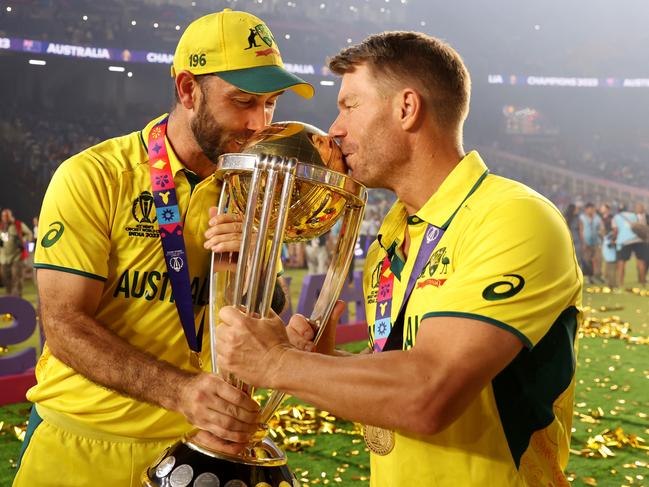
250	348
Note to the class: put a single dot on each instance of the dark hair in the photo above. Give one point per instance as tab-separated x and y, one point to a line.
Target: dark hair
589	205
405	57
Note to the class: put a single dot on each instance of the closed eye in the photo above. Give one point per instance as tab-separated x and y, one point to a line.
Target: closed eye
242	102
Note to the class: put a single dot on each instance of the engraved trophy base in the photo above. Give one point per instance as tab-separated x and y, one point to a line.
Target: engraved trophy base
186	463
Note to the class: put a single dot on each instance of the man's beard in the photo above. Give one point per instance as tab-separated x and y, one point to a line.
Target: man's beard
210	135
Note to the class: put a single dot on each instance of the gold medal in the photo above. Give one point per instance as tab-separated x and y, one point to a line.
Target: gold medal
379	440
195	360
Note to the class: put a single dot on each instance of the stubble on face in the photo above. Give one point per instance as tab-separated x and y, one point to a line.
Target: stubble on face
379	153
375	151
211	135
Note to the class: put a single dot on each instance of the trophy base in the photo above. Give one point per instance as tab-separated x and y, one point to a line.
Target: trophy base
188	464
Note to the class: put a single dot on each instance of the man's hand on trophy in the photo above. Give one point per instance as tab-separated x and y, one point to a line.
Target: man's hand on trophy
250	348
227	417
301	332
223	237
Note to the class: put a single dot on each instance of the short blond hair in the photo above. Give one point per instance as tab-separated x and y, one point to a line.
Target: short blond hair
402	56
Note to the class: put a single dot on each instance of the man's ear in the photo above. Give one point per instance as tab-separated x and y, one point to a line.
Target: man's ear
186	86
410	108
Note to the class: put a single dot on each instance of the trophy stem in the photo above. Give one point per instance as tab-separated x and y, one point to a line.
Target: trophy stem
247	229
260	253
334	281
282	213
224	201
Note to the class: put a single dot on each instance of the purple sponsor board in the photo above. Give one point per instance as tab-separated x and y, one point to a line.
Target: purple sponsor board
119	55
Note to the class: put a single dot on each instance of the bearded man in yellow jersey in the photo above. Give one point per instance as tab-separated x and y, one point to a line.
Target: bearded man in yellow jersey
472	293
123	373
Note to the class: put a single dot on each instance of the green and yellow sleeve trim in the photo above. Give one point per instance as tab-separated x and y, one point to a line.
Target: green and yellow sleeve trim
69	270
457	314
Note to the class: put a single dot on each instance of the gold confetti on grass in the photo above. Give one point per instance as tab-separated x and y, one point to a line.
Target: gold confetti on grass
16	430
610	327
290	422
607	290
602	445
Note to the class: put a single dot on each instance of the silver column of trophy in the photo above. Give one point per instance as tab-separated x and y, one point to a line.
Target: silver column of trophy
290	183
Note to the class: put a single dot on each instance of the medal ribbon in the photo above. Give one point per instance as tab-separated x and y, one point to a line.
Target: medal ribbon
383	320
171	233
383	315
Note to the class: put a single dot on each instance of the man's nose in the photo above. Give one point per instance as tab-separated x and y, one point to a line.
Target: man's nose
337	129
257	119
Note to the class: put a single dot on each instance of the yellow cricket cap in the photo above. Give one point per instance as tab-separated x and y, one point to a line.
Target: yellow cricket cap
240	49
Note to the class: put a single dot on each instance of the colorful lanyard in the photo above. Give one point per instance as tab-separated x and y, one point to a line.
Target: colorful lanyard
171	235
383	315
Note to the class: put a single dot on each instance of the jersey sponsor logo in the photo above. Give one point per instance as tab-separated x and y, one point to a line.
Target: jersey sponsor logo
53	234
431	282
143	212
438	258
504	289
376	275
152	285
142	209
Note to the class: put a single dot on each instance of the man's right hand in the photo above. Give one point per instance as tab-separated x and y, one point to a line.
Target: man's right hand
225	415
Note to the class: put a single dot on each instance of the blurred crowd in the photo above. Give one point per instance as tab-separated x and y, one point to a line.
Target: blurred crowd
316	254
17	240
621	163
606	238
32	145
156	26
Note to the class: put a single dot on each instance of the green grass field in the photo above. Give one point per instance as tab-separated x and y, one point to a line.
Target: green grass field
612	392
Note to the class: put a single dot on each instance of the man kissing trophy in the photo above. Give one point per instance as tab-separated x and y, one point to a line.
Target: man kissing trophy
290	184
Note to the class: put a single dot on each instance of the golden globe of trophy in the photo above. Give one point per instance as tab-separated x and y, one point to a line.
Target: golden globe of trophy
290	184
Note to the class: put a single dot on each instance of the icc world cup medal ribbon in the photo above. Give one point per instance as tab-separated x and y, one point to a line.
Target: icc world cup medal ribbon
171	237
379	440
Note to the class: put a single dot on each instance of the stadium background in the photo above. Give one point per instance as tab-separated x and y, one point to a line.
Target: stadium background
560	102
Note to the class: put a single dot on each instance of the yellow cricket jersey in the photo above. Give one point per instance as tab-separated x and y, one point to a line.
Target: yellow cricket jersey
507	260
99	221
